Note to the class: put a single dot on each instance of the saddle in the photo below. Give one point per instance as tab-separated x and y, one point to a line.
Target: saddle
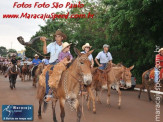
152	73
54	74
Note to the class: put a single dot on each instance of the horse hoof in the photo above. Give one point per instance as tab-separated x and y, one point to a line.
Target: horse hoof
94	112
139	97
108	105
119	107
40	117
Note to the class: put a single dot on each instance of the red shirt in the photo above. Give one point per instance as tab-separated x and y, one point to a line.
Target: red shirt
159	60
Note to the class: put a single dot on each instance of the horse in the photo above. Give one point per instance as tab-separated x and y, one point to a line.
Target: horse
13	72
29	73
79	72
24	71
113	78
37	70
147	83
4	68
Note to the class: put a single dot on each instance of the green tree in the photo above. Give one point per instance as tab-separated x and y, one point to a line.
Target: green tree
3	51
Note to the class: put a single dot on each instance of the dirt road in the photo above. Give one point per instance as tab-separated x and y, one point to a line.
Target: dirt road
132	110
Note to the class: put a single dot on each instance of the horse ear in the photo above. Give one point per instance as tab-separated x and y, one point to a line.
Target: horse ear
90	52
131	67
77	51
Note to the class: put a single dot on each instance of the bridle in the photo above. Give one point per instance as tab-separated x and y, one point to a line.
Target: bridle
68	98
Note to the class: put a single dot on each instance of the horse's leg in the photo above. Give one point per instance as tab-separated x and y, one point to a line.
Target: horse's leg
149	95
62	103
141	88
119	93
53	108
97	96
93	98
108	99
78	109
39	110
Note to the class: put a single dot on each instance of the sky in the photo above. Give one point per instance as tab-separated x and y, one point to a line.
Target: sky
10	29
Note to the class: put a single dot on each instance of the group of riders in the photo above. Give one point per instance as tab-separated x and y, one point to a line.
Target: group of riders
59	51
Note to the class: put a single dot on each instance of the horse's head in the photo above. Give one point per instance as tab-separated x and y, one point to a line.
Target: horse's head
101	75
14	69
84	66
126	76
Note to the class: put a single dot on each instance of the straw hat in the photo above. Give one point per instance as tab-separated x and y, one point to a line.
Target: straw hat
65	44
58	32
36	55
86	45
161	49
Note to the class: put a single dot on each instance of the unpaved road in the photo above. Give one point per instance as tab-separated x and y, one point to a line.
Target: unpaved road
132	109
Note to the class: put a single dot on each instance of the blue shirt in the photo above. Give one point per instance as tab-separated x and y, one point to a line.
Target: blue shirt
36	61
104	57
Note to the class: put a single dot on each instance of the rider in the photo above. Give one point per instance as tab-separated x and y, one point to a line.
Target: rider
158	65
65	57
86	48
54	48
104	57
13	61
45	60
36	61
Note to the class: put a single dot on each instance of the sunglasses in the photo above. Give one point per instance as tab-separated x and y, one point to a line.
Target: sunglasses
106	55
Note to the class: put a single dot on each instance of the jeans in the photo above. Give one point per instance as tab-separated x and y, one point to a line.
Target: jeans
47	77
156	75
103	66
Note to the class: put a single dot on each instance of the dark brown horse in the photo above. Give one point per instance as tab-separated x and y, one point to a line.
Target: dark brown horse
37	70
24	71
78	73
147	83
13	72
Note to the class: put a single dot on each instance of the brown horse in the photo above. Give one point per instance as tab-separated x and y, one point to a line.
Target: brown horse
99	82
147	83
13	72
29	72
114	76
24	71
79	72
37	72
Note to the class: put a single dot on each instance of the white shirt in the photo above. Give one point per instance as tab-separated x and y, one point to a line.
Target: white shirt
54	49
104	57
29	62
90	57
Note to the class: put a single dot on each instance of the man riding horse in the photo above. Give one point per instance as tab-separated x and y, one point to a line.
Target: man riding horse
14	62
54	48
104	57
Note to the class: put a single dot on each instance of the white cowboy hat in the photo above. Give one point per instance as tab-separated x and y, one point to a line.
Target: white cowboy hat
65	44
160	50
86	45
36	55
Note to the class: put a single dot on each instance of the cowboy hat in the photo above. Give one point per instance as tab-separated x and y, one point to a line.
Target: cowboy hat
36	55
58	32
161	49
65	44
86	45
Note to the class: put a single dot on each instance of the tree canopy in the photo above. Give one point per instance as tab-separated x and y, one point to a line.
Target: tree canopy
132	28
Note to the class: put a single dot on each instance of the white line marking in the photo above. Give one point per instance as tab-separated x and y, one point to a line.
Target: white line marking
152	91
